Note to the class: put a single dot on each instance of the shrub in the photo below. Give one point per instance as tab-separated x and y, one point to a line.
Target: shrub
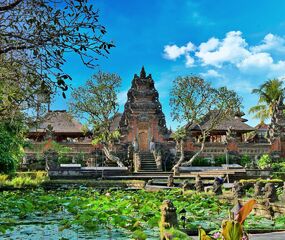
3	179
11	142
245	161
264	162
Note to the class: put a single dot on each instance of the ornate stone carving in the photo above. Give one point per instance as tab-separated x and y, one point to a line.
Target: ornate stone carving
51	158
217	186
238	190
270	192
199	185
186	186
168	215
143	106
258	189
170	181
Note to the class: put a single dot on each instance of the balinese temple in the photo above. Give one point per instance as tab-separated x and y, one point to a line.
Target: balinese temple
142	125
237	124
143	120
59	125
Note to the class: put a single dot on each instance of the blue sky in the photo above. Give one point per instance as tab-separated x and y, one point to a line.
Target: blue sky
239	44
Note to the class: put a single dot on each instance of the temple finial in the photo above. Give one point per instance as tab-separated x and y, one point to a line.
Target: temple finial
142	74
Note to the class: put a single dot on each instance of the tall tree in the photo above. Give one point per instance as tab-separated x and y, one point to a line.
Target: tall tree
192	100
35	36
268	93
96	101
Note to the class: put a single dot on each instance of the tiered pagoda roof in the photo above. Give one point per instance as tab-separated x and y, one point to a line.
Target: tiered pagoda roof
142	104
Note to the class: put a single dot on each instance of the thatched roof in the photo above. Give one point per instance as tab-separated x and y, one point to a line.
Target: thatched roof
60	121
262	126
235	122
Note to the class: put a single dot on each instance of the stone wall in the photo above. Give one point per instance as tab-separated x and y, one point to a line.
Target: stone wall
218	149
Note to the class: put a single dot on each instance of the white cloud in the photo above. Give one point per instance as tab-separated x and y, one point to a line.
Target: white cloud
189	61
256	61
231	49
211	73
172	52
271	42
234	51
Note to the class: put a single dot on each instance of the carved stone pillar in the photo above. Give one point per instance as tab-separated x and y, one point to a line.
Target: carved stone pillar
137	162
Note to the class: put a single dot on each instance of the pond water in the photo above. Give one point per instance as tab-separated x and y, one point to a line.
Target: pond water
87	213
52	231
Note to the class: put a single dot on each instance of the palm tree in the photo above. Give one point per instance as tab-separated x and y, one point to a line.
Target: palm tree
269	93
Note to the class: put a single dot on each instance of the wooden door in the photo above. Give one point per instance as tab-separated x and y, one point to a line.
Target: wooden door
143	141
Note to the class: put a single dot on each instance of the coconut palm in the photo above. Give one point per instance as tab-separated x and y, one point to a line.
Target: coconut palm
269	93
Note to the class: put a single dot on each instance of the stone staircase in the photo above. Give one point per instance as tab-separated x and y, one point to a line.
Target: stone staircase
147	162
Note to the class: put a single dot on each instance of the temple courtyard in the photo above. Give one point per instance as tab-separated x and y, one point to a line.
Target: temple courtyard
142	120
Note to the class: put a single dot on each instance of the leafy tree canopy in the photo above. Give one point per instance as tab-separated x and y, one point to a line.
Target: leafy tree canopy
268	95
11	142
35	36
193	99
97	102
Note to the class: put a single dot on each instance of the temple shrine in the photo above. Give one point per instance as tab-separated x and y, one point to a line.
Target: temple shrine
146	144
143	120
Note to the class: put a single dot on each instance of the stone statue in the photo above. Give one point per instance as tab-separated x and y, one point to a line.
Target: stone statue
238	190
51	158
150	182
217	186
130	152
270	192
186	186
170	181
168	215
199	185
135	145
258	189
230	134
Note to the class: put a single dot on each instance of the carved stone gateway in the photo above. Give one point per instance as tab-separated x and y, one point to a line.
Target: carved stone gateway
143	118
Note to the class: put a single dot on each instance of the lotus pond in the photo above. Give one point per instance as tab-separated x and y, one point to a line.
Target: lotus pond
86	213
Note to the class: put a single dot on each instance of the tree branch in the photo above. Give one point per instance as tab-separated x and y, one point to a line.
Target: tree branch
10	6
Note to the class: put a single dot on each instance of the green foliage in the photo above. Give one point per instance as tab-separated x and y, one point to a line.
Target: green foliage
192	98
269	93
97	101
179	134
35	68
245	161
261	180
61	150
139	235
175	234
136	213
23	179
264	162
219	160
11	141
232	230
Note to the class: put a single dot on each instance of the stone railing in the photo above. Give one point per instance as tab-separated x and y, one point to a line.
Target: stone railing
254	149
137	162
250	149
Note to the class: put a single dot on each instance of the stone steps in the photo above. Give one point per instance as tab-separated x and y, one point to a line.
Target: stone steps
147	162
